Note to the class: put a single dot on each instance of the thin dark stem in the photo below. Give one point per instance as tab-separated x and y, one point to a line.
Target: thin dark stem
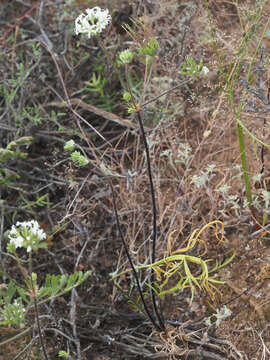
39	330
154	213
154	210
159	328
262	150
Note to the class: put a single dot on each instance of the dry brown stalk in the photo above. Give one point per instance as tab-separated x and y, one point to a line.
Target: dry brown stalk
105	114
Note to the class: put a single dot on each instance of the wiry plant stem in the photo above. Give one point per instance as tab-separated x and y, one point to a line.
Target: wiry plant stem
154	209
39	330
154	213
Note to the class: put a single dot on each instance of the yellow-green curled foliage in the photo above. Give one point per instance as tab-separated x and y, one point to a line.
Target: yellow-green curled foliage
178	265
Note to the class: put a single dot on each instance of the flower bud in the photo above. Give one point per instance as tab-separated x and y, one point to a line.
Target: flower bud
69	145
126	56
126	96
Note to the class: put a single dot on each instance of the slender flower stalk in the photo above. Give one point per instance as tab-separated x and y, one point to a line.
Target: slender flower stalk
106	52
137	109
92	24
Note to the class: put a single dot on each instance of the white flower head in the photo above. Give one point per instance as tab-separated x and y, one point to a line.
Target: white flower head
93	23
27	234
205	70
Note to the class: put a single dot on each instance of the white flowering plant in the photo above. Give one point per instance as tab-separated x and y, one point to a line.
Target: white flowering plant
145	49
26	234
93	22
17	299
194	69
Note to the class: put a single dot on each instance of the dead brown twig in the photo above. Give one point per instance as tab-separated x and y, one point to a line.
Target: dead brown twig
105	114
18	21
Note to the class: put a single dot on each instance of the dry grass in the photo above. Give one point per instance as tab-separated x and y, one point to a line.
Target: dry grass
198	115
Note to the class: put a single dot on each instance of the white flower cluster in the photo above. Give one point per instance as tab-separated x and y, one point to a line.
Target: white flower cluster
93	23
26	232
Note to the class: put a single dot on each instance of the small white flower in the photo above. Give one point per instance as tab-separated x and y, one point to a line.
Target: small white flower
221	314
13	231
17	241
42	234
93	23
205	70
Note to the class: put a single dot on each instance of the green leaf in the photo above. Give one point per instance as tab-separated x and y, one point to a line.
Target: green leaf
54	283
10	292
57	285
23	294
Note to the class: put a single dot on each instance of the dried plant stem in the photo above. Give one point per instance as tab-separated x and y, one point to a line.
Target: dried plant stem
157	327
244	164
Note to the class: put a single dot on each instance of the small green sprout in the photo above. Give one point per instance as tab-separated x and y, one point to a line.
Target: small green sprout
63	354
204	177
13	314
69	145
194	69
223	189
96	84
79	159
126	96
83	161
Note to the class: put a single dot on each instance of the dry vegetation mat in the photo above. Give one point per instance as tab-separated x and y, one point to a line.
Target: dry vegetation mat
134	182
